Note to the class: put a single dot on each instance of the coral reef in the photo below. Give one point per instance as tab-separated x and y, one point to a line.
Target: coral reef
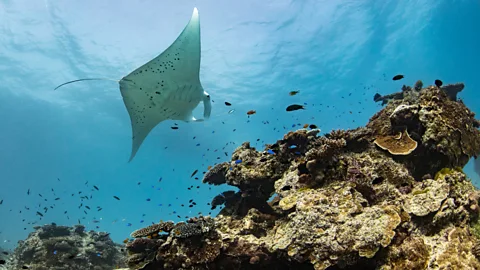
391	195
52	247
4	257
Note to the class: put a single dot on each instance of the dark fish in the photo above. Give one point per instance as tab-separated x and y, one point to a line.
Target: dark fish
2	262
4	252
174	127
116	198
228	103
87	207
397	77
28	192
40	214
194	172
313	126
293	93
25	267
377	97
251	112
438	83
295	107
95	187
56	199
1	201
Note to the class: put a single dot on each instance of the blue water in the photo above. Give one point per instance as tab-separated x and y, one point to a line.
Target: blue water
337	53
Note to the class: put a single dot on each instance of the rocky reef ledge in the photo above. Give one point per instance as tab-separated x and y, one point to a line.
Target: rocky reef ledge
52	247
390	195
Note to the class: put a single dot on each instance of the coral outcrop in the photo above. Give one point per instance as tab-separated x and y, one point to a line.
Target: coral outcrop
52	247
390	195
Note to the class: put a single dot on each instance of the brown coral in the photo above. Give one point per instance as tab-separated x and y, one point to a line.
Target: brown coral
153	229
400	144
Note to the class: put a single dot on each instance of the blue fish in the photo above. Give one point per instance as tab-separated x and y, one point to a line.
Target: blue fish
270	151
238	161
55	252
293	146
148	200
129	224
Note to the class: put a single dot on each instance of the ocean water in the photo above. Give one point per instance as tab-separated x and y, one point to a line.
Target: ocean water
338	54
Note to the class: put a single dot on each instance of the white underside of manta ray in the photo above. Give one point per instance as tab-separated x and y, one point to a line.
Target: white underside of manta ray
167	87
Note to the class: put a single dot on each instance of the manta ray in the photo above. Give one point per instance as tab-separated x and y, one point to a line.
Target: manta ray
166	87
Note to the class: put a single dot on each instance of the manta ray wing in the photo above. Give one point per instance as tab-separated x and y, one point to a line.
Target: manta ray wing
167	87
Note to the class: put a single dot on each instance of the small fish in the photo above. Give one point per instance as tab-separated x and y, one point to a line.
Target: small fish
95	187
125	241
209	167
116	198
251	112
270	151
293	93
2	262
295	107
194	172
1	201
397	77
305	126
312	126
438	83
231	111
174	127
28	192
377	97
40	214
228	103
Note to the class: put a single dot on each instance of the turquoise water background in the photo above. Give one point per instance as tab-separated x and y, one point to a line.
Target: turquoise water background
337	53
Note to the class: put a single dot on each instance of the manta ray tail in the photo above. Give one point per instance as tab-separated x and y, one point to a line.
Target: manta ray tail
87	79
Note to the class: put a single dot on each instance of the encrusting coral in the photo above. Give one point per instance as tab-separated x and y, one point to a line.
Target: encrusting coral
390	195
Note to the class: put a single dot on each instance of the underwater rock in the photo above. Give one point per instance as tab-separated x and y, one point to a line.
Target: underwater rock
358	199
52	247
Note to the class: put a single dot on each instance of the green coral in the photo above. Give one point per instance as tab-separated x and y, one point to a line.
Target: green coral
447	171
